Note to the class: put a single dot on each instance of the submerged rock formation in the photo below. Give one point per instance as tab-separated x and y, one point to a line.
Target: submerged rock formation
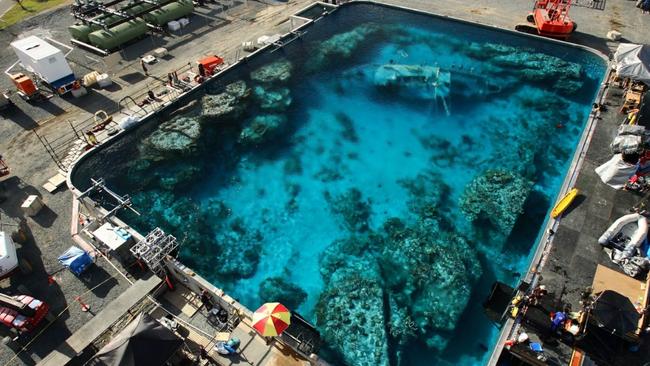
412	280
426	191
350	311
238	251
343	250
496	196
208	233
220	105
277	289
529	65
419	272
170	179
172	137
431	272
351	207
274	99
238	89
261	129
341	46
278	71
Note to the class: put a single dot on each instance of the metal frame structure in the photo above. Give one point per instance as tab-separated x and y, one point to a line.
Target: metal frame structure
154	248
99	186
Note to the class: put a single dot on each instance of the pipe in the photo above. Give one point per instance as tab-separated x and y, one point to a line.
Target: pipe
90	47
11	67
70	49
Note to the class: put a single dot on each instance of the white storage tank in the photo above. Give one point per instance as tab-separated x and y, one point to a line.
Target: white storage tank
45	60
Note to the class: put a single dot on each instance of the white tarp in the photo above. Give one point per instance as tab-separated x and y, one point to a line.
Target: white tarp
266	40
615	173
633	61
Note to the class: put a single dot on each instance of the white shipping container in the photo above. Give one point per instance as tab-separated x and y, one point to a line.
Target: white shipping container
42	58
173	26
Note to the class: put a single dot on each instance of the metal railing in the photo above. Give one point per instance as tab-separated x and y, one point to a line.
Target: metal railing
63	144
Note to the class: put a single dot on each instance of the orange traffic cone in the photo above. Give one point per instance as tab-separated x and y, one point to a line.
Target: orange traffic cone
84	307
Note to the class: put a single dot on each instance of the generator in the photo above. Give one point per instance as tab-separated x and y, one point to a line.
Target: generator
46	62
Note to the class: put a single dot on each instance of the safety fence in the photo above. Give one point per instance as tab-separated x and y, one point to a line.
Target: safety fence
65	145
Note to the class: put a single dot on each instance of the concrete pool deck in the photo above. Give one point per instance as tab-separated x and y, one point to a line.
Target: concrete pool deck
574	250
31	164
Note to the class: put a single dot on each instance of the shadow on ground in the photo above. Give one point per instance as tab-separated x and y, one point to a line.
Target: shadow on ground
133	78
592	41
17	116
93	101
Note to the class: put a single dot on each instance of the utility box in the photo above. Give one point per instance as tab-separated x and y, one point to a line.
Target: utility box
209	64
46	61
24	84
32	205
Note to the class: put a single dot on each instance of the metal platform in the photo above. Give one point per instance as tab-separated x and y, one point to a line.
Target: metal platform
82	338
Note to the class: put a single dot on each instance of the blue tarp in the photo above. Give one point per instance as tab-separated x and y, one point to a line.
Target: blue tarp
76	260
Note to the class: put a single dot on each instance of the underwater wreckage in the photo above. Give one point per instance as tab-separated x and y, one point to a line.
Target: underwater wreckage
427	82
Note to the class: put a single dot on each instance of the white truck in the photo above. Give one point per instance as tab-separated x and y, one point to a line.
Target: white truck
46	62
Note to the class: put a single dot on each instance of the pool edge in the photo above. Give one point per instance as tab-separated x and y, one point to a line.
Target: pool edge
543	245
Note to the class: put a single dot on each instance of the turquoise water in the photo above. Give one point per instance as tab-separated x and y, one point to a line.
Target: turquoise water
381	210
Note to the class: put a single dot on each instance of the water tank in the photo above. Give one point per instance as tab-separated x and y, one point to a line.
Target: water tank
80	32
118	35
135	9
169	12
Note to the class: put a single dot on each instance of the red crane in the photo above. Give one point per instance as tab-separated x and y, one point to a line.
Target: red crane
550	19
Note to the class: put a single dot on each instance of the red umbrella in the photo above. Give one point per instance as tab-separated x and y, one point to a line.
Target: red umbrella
271	319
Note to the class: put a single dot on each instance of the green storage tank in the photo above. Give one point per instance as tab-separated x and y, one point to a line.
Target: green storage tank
137	8
170	12
118	35
80	32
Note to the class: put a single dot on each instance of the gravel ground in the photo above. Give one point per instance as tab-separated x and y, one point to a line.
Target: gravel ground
211	32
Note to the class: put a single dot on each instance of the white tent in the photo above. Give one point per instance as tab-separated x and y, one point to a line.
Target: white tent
633	61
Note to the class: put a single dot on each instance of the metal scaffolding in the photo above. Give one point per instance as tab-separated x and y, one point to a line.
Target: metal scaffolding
99	186
154	248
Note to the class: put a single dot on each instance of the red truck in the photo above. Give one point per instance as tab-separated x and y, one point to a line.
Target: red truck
22	313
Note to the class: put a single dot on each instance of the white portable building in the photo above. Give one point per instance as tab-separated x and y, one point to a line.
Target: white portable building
8	258
45	60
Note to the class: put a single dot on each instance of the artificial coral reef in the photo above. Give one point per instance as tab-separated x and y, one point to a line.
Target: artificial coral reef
341	46
278	289
270	99
177	136
236	247
261	128
273	73
274	99
526	64
497	197
230	103
375	280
